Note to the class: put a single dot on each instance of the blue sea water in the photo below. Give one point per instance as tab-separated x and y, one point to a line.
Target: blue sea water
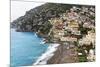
26	48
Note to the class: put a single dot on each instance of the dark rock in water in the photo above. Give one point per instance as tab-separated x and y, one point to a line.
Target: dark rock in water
42	35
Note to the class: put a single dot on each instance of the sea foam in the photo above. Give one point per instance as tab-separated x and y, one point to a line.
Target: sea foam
47	55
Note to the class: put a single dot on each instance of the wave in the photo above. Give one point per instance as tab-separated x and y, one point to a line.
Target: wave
47	55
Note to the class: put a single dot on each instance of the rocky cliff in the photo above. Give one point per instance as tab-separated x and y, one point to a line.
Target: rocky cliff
37	18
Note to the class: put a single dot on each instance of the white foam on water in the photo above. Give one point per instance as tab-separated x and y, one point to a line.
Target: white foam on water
35	35
47	55
42	42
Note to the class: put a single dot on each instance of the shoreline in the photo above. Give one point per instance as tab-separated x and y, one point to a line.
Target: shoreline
43	59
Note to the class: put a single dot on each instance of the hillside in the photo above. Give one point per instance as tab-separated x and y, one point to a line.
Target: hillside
37	18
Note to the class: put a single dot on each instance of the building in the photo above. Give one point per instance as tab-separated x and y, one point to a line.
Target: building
73	24
88	39
58	33
68	38
59	26
88	25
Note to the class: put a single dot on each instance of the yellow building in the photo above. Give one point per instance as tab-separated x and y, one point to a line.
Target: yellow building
73	27
58	33
73	24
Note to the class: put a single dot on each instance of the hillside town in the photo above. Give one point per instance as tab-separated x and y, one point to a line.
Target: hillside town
72	26
77	27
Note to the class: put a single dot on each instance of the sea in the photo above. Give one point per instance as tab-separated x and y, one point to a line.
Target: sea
26	48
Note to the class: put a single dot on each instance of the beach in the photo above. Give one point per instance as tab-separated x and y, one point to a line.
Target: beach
47	55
